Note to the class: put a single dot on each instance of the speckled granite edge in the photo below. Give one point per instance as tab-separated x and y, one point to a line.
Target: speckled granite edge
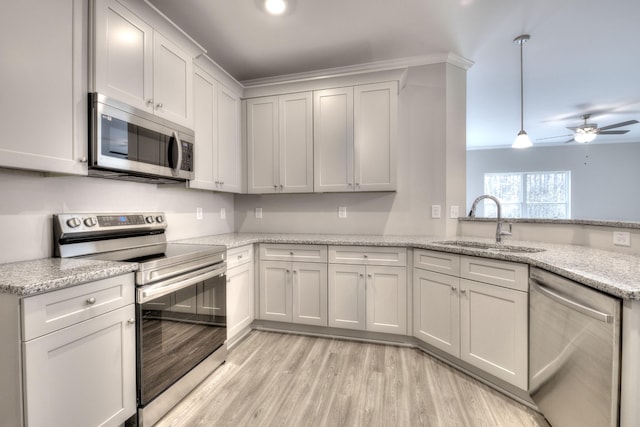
614	273
42	275
592	222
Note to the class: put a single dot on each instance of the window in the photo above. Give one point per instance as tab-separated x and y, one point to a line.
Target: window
529	194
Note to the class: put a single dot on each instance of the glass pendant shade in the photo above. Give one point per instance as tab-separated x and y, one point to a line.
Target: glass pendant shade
275	7
522	140
584	137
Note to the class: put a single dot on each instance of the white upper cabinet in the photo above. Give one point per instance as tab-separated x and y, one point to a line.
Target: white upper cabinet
355	132
218	150
280	143
43	112
137	65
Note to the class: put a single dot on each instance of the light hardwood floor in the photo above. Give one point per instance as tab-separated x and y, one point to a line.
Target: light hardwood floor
273	379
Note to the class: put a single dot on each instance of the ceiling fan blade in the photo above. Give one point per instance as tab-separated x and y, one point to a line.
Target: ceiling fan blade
553	137
572	128
619	125
568	141
613	132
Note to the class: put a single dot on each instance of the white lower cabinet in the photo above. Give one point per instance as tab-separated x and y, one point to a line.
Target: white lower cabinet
78	352
483	323
366	296
293	291
240	291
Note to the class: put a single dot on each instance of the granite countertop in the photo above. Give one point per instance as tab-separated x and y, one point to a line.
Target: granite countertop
42	275
611	272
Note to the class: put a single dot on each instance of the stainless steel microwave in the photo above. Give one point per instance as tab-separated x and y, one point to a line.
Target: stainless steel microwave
131	144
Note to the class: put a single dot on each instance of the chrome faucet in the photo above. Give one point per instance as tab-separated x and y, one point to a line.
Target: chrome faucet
499	231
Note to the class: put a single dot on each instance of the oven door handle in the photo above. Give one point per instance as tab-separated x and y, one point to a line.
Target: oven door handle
151	292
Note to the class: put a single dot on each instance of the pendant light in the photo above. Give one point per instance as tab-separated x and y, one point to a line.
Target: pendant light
522	140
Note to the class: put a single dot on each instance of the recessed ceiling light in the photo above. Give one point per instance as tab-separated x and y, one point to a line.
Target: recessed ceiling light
275	7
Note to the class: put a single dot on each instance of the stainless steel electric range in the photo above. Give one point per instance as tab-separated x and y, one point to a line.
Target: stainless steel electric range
180	300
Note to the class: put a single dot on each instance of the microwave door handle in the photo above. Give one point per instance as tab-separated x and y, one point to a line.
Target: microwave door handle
175	168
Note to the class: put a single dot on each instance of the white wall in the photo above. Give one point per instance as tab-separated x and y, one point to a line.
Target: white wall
603	176
431	170
28	200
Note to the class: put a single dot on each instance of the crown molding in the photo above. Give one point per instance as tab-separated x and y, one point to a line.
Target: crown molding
370	67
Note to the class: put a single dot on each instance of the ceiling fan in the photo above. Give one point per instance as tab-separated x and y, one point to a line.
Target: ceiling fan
587	132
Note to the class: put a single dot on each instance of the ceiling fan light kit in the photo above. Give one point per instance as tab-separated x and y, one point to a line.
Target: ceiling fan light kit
522	140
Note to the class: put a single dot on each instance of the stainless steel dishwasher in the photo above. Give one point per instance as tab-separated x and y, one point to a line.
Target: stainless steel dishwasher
574	352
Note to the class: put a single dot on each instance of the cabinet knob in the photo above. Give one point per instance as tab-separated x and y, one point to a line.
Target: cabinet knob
281	186
291	253
159	105
288	271
149	101
361	275
221	182
131	321
366	256
463	291
217	182
240	256
91	301
453	288
275	186
83	160
369	275
295	271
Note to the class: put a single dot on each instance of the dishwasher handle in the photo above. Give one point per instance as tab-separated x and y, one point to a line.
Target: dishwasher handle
598	315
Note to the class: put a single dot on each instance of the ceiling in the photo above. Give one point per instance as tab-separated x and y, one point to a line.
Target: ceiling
583	56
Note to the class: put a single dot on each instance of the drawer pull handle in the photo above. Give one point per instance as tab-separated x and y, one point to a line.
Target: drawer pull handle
131	321
91	301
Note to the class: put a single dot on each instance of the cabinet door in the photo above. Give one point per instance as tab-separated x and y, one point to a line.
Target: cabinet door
172	81
309	281
240	299
375	121
43	85
262	145
229	149
275	291
205	96
333	140
347	296
123	55
82	375
296	142
436	310
494	330
387	299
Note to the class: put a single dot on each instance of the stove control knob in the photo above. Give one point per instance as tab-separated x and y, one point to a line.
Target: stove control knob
74	222
159	218
149	219
90	222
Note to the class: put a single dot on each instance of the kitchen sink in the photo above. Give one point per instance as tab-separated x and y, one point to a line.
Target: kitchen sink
497	247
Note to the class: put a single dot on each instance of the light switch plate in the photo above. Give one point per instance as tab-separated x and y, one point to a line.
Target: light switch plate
455	212
223	213
199	213
258	213
342	212
435	211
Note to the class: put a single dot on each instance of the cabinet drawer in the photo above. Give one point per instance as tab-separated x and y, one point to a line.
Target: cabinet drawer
440	262
45	313
502	273
304	253
239	256
368	255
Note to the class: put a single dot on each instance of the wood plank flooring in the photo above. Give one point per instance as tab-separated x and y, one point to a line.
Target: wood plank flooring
273	379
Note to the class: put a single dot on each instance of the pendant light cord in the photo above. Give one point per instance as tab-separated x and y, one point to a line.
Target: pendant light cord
521	88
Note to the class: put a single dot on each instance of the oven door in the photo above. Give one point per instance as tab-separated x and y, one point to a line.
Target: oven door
180	323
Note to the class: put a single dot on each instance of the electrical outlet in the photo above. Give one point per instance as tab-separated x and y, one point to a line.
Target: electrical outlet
223	213
198	213
342	212
621	238
435	211
455	212
258	213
